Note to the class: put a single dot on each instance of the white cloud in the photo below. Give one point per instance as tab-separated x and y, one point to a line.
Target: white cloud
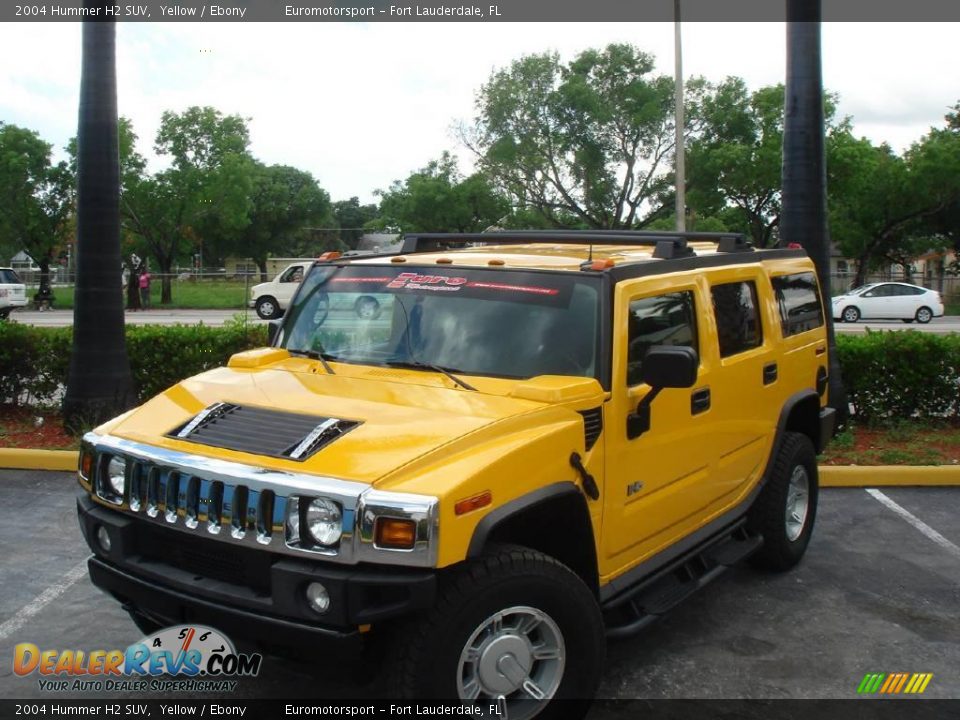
360	105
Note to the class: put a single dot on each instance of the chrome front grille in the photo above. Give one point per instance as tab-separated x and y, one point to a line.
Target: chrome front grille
247	505
175	497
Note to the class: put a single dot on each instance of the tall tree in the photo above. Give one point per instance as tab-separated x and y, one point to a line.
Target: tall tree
283	201
803	218
36	200
100	384
591	140
204	195
438	198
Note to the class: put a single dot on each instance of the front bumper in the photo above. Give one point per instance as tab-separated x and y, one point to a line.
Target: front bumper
176	578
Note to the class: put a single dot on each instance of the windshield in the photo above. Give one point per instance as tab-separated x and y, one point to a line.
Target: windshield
503	323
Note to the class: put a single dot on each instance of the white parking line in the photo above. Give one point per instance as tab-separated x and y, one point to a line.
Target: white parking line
916	522
22	615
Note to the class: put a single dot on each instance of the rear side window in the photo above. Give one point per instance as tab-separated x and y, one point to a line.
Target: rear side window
799	302
669	319
738	317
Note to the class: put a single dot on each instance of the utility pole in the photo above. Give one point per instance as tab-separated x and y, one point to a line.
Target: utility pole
681	177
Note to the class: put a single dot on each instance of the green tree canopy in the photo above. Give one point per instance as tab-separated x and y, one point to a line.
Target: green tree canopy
283	201
591	140
36	197
438	198
203	197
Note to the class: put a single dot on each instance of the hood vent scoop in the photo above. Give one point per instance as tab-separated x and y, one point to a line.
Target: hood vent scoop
262	432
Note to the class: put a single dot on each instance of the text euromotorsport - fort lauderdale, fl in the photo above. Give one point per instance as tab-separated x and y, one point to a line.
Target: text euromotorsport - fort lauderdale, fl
393	11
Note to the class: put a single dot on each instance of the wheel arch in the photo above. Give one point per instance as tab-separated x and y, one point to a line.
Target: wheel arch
800	414
553	520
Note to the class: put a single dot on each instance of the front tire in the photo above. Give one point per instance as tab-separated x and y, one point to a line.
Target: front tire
786	508
850	314
267	308
924	315
514	623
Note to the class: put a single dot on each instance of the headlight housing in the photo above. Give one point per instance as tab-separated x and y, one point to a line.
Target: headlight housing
111	478
323	520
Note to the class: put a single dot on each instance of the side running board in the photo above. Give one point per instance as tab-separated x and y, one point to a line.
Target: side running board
665	589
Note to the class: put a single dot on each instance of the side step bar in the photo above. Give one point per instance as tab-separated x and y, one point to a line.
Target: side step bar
664	590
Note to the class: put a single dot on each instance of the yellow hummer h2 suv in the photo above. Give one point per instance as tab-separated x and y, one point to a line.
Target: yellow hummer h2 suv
537	440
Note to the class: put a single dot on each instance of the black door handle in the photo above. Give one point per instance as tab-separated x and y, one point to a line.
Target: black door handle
769	373
700	401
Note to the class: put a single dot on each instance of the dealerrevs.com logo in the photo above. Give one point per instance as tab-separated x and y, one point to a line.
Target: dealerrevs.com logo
179	658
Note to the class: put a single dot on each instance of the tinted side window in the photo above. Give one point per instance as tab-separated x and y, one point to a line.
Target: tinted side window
669	319
9	277
799	302
738	317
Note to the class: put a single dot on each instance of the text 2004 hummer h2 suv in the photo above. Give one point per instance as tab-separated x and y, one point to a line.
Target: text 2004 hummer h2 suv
541	439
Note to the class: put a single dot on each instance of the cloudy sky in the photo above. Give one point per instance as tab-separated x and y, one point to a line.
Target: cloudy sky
360	105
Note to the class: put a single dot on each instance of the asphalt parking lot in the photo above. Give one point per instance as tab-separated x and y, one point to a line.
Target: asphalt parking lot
878	592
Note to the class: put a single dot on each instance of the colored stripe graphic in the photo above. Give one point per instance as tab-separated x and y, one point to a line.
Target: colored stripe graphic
894	683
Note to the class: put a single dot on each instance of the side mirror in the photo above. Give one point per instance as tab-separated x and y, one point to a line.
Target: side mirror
664	366
670	366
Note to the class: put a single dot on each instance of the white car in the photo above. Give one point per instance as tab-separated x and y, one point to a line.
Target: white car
888	301
13	293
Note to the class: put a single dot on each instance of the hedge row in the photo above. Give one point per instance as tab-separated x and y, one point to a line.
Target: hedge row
887	374
34	362
901	374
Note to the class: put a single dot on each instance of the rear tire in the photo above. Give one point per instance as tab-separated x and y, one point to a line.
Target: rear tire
786	508
924	315
514	622
850	314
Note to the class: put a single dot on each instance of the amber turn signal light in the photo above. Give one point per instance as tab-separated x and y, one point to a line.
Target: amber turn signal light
395	533
473	503
86	463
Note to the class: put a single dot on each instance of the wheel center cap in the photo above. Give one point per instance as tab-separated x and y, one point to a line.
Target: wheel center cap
505	663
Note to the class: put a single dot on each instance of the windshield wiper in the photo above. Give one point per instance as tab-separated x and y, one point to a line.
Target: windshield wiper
316	355
416	364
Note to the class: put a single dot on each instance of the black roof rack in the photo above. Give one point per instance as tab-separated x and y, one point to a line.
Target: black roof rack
667	244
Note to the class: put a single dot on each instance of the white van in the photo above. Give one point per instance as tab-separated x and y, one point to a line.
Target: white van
270	299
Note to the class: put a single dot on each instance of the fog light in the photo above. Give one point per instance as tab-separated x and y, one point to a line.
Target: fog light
103	538
318	597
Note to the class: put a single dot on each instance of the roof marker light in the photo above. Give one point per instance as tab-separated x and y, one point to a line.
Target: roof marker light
398	259
496	262
331	255
444	261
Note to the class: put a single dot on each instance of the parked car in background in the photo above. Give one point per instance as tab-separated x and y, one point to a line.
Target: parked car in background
888	301
13	293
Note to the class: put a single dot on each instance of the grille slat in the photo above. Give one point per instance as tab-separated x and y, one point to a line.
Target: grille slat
262	432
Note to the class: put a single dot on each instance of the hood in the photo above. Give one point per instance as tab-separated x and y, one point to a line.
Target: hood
361	424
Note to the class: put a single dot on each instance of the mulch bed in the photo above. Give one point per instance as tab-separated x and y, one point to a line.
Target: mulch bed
25	427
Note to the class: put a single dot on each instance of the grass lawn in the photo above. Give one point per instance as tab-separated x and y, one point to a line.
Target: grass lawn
202	294
902	443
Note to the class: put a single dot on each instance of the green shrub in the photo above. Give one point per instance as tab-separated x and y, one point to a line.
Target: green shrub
35	362
895	375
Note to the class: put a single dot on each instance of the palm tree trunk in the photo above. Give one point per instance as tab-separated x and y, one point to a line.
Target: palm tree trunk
803	218
100	384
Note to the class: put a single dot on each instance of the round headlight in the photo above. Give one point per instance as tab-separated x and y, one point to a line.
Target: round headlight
117	474
324	521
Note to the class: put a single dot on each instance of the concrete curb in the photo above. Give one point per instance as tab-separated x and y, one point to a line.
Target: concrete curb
855	476
17	459
858	476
